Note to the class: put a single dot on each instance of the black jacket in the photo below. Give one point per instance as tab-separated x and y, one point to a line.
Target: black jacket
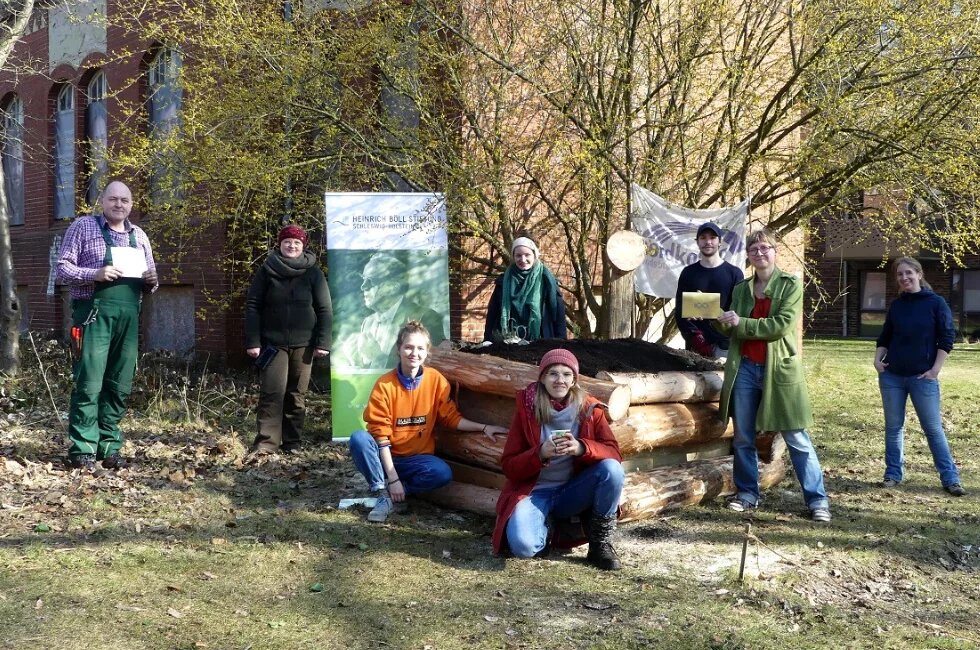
288	307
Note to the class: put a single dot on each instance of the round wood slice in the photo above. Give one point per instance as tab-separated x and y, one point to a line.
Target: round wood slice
626	250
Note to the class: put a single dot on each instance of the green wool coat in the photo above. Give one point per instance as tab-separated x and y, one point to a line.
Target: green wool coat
785	404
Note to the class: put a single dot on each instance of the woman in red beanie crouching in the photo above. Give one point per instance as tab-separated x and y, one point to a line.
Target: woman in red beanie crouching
561	461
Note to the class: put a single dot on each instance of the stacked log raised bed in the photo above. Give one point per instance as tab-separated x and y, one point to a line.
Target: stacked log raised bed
675	450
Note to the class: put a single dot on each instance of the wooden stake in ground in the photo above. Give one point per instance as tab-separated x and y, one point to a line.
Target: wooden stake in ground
625	251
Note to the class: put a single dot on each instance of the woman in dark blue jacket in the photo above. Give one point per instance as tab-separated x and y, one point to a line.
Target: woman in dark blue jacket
912	348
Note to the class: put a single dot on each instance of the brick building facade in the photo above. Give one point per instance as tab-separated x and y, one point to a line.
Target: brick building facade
853	283
51	95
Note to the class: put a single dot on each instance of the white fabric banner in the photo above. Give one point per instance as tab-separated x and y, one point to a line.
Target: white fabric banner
670	232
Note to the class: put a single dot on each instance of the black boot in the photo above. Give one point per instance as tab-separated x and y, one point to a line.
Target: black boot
601	553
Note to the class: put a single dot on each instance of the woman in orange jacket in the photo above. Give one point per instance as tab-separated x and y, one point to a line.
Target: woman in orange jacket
561	460
397	452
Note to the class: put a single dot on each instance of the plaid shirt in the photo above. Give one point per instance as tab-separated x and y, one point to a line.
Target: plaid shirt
83	252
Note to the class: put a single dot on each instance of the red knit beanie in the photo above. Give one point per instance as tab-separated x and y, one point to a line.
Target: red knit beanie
564	357
292	232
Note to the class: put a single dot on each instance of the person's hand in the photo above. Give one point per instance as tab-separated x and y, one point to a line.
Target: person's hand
931	373
880	366
108	274
396	490
150	278
320	352
491	431
549	449
568	446
729	318
253	352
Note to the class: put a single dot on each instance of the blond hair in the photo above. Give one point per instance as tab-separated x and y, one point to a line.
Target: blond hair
413	327
543	410
916	266
763	235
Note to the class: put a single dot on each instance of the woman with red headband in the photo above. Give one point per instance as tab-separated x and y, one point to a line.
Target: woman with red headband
287	321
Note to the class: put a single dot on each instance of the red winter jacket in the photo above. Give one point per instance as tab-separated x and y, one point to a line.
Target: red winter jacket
522	464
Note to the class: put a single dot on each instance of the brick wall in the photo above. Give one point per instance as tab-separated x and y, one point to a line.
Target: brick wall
218	333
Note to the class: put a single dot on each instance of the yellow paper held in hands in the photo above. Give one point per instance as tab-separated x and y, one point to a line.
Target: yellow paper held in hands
700	305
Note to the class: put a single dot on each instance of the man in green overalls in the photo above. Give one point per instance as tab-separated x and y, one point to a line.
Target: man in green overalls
107	263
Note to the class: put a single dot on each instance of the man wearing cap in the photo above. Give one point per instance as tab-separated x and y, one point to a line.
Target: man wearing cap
710	274
106	281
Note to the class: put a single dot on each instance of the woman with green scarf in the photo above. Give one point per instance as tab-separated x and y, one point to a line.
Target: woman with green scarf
525	301
287	322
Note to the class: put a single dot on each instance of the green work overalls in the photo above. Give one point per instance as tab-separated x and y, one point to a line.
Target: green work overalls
104	369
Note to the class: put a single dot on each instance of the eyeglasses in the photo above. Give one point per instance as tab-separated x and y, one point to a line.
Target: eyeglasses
759	251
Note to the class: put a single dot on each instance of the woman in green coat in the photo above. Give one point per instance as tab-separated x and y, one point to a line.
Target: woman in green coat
764	389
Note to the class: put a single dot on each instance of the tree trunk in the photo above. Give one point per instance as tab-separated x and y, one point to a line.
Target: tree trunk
9	304
669	386
487	374
463	496
645	494
20	11
475	450
650	426
463	473
647	427
625	251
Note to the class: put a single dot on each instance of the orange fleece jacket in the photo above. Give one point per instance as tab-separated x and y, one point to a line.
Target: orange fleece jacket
407	418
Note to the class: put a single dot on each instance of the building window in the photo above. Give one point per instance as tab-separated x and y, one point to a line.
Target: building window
97	134
873	304
64	154
12	153
970	320
164	101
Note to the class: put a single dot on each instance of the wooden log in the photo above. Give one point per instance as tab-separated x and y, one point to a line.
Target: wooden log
486	408
472	449
463	473
484	373
649	426
626	250
669	386
463	496
666	456
645	494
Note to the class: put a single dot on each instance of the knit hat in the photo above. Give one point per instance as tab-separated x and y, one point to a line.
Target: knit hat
292	232
564	357
527	243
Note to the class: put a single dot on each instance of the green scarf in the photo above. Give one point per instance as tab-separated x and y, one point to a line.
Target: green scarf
522	299
284	267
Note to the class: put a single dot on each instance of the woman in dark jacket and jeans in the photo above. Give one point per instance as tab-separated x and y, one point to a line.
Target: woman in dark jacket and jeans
288	310
912	348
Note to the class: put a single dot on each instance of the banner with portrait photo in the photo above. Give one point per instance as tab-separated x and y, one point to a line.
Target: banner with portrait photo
670	232
388	263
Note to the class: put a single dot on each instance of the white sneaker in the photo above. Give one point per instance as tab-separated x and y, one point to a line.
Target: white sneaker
382	508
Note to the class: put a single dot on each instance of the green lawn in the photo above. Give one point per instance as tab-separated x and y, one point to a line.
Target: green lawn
191	550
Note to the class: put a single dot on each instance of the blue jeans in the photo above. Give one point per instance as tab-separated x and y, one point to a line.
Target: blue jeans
597	487
745	399
418	473
895	391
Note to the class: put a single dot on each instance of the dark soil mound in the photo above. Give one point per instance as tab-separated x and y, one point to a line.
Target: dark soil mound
615	355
